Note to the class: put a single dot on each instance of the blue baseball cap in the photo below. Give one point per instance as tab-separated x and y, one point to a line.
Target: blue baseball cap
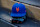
18	10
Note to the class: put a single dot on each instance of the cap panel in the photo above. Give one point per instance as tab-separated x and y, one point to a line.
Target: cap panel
18	10
20	6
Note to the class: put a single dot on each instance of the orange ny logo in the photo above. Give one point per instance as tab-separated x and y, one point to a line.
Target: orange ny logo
17	9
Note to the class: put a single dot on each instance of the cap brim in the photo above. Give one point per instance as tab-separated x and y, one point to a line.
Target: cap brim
17	14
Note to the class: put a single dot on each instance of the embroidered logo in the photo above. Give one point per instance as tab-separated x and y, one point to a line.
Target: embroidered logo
17	9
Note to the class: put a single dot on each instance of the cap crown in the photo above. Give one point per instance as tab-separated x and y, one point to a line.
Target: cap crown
18	8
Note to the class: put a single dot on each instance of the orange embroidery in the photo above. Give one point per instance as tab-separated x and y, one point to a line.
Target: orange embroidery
17	9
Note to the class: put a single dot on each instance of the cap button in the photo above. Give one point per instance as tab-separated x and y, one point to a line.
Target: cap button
18	2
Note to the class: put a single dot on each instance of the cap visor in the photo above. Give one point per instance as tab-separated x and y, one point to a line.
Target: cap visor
17	14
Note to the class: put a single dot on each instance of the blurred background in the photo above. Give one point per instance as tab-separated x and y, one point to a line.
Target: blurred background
32	8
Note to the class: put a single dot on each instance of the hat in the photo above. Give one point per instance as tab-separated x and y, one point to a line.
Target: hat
18	10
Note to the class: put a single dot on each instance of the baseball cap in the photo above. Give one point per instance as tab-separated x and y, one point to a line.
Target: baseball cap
18	10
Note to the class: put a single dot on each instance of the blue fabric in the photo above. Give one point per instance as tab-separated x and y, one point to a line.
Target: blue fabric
18	14
21	11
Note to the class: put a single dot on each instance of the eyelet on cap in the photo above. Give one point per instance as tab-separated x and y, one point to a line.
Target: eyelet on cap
25	10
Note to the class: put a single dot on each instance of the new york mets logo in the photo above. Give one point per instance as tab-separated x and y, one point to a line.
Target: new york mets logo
17	9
